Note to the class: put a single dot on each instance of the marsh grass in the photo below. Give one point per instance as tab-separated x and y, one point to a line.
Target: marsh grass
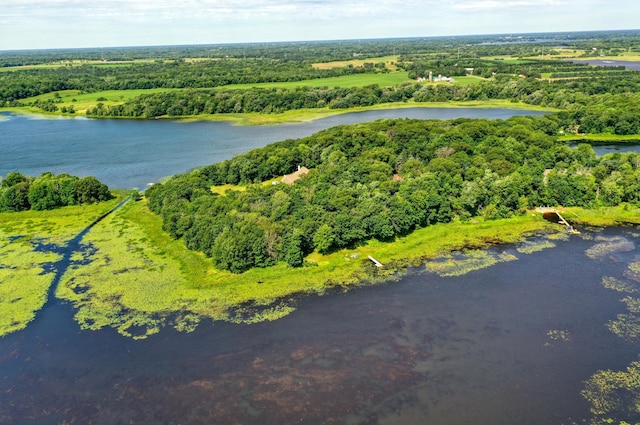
134	278
138	280
30	244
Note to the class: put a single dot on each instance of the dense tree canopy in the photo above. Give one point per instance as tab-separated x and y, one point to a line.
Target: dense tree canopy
19	192
380	180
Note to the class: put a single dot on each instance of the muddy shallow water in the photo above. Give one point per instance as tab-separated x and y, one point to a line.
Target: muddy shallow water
481	348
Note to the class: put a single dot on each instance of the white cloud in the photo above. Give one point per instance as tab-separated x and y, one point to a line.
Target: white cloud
56	23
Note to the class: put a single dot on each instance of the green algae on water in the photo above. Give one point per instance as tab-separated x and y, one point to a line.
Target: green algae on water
609	246
459	264
619	285
529	247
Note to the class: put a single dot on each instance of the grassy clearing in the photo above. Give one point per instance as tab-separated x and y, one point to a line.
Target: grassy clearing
26	274
356	80
389	62
602	138
83	101
468	80
605	216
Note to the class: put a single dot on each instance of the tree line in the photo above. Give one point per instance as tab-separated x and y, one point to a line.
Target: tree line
174	74
592	105
19	192
381	180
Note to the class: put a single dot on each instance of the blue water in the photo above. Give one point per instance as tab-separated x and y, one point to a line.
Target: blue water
464	350
133	153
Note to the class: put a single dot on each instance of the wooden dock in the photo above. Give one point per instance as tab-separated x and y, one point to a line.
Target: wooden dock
561	219
375	262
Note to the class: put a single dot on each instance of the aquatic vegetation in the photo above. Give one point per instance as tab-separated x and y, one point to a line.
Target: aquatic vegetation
255	315
633	271
31	243
618	285
614	394
626	326
462	263
608	246
23	283
126	283
633	304
529	247
561	236
559	335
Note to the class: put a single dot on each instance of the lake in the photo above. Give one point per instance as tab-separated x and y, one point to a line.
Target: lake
472	349
133	153
600	62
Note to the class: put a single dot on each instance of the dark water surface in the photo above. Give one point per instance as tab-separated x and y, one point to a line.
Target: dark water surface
461	350
132	153
600	62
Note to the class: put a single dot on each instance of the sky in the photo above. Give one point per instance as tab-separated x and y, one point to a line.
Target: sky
41	24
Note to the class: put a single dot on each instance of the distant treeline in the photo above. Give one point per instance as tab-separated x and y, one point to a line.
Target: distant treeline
381	180
324	51
593	105
19	192
18	85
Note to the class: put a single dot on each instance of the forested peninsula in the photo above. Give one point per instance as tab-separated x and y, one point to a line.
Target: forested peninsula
238	239
243	239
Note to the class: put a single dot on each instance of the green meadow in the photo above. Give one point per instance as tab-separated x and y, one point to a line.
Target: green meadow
603	138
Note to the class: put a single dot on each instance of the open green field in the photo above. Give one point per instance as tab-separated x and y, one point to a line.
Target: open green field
74	63
82	101
466	80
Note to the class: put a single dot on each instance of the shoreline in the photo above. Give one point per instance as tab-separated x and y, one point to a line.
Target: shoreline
293	116
162	284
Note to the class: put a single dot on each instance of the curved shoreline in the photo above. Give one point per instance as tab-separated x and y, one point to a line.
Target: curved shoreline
296	115
137	277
